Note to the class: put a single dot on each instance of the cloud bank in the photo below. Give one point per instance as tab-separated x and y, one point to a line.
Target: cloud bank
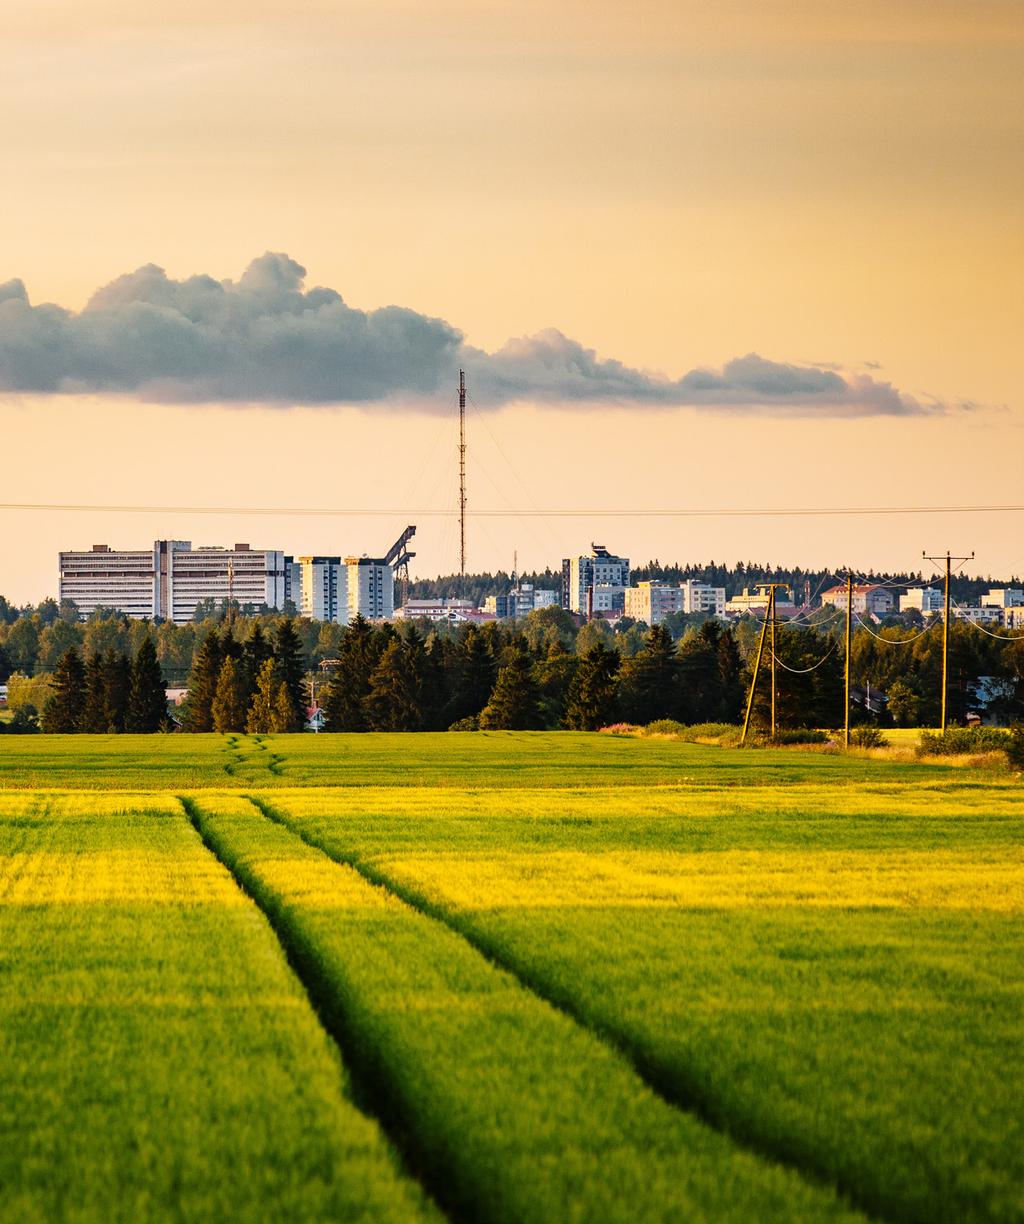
267	339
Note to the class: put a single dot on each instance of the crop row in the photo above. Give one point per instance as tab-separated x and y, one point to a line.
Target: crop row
855	1014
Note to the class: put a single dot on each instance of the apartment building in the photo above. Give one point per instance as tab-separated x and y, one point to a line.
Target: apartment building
869	599
925	600
755	603
595	582
323	589
986	615
371	588
520	601
651	601
701	597
170	579
1003	597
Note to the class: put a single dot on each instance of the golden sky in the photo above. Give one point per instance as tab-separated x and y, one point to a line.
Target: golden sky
673	184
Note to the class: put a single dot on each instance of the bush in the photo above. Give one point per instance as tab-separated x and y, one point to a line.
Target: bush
958	741
867	737
664	726
466	724
1015	748
796	735
620	729
725	732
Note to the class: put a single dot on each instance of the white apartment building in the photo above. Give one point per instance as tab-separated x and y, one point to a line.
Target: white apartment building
595	582
869	599
1003	597
323	587
702	597
520	601
170	579
755	603
922	599
371	588
651	601
451	611
979	616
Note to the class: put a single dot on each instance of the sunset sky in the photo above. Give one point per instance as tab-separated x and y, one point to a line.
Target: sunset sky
693	256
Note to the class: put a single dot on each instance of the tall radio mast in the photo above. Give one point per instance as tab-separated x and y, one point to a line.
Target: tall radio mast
462	472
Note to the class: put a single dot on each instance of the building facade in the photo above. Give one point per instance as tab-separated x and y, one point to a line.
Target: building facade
371	588
520	601
171	579
755	603
651	601
701	597
1003	597
869	599
925	600
595	582
323	589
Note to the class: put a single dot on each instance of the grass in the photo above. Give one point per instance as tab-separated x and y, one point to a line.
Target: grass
819	975
519	1114
159	1059
572	977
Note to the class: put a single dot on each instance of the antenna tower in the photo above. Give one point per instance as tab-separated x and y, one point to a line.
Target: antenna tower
462	472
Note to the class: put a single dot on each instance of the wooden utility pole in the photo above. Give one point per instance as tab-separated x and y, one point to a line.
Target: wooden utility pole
771	613
945	625
849	637
766	627
757	669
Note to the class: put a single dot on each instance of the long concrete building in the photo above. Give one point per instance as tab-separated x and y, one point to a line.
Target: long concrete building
169	580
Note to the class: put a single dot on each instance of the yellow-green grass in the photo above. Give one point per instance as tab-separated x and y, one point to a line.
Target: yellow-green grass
520	1114
158	1058
833	976
447	759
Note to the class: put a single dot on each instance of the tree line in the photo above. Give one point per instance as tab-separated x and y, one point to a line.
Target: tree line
105	693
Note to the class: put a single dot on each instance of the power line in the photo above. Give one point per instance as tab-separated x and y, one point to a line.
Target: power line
365	512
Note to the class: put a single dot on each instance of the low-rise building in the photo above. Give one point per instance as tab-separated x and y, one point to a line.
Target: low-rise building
979	615
755	603
925	600
869	599
438	609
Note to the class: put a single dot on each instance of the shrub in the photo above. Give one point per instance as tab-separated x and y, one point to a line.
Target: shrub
1015	748
664	726
867	737
466	724
796	735
620	729
957	741
724	732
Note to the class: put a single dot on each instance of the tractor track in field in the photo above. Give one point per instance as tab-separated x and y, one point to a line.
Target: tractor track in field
650	1074
366	1094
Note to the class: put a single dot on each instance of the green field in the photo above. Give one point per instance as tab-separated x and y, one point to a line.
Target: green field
505	977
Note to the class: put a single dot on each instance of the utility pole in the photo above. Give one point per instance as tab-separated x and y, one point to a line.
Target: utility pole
757	670
771	612
462	473
849	623
945	625
768	627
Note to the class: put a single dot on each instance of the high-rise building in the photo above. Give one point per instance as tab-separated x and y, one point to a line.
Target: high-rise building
922	599
323	589
652	601
595	582
701	597
371	588
171	579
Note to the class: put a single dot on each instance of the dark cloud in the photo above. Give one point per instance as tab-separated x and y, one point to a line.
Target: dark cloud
268	339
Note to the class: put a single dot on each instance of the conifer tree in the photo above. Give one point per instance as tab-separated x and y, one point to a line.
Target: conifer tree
285	718
649	681
260	720
290	670
344	696
147	698
554	674
255	652
116	686
474	675
94	717
63	712
228	710
394	702
515	702
590	701
202	683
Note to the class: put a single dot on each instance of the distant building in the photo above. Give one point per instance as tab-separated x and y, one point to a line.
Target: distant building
371	588
922	599
979	616
1003	597
701	597
755	603
596	582
323	589
651	601
171	579
451	611
869	599
520	601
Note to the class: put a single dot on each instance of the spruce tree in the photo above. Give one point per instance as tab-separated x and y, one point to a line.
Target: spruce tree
554	674
344	696
285	718
515	702
202	683
590	701
228	710
290	670
63	712
116	687
260	719
147	698
94	717
474	674
255	652
396	691
649	681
